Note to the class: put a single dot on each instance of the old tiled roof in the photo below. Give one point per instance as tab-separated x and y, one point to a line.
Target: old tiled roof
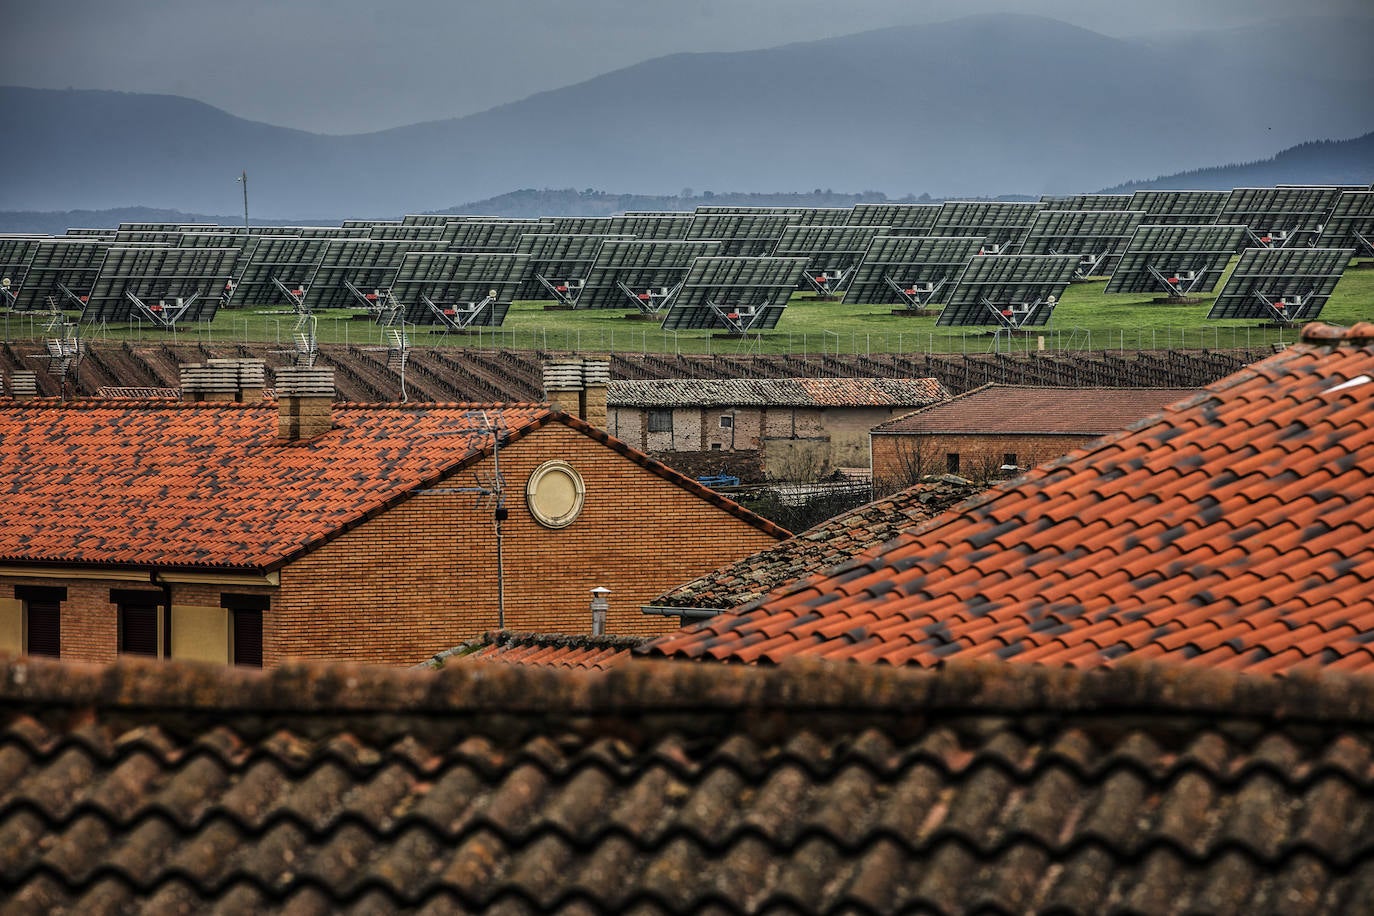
1019	410
201	485
1232	530
679	788
822	546
778	392
549	650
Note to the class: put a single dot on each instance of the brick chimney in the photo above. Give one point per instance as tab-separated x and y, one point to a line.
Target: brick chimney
563	385
24	384
305	403
596	377
223	380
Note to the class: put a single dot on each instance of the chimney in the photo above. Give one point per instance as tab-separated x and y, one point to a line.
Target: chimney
599	608
596	376
250	377
24	384
223	380
563	385
305	403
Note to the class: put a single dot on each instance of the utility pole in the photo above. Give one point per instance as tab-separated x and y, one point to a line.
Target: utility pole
244	178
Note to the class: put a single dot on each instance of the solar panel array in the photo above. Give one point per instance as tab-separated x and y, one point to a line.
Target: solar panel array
164	285
558	264
741	234
1002	224
912	270
62	269
1097	236
1175	260
831	252
1282	284
1009	291
734	294
280	270
355	273
1350	223
1278	217
1086	202
457	290
632	273
16	254
1169	208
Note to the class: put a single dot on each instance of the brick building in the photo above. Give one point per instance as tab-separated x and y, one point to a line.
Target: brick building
255	532
800	426
979	432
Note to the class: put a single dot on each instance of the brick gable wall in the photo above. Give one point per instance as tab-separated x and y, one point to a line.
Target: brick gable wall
896	458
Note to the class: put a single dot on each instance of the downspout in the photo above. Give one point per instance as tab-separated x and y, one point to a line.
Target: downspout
166	612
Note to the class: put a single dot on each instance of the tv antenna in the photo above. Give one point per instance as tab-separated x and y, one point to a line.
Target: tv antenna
489	488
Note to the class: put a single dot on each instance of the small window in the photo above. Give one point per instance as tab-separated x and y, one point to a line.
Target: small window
727	421
245	628
1009	460
138	622
715	446
660	421
42	619
952	462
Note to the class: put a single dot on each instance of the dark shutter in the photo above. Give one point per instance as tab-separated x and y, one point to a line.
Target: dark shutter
247	637
43	624
138	629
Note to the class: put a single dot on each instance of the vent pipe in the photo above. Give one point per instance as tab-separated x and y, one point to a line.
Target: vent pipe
305	403
600	606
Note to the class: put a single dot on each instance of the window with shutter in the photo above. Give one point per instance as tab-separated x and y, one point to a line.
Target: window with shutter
247	637
43	628
138	629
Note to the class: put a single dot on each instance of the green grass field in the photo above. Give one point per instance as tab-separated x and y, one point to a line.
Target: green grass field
1085	319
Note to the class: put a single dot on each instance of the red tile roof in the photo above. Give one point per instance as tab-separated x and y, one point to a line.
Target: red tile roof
202	485
542	649
661	787
1019	410
1235	529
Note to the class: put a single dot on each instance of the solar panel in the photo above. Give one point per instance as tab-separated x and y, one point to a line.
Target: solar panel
164	285
632	273
1278	217
1002	224
368	223
279	270
821	216
16	254
652	227
832	252
494	235
901	219
428	232
428	219
912	270
1282	284
1086	202
62	269
355	272
578	225
1351	223
741	234
155	226
558	265
1011	291
92	233
457	290
736	294
1178	261
165	237
1097	236
1173	208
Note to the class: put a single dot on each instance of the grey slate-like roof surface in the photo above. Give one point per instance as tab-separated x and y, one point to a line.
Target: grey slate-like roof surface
786	392
1016	409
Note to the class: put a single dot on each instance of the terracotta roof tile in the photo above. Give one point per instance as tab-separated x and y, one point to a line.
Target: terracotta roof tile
813	787
1232	528
541	649
783	392
197	485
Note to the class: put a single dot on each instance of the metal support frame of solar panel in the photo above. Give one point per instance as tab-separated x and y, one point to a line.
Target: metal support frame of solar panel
1176	261
901	219
1278	217
494	234
1285	285
911	270
832	253
62	269
1097	236
1010	291
16	254
1085	202
355	273
1350	224
651	227
640	274
1174	208
166	286
1002	224
457	290
751	234
735	294
558	264
279	270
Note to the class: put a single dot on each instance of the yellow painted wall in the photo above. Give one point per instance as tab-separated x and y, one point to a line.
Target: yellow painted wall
200	633
11	626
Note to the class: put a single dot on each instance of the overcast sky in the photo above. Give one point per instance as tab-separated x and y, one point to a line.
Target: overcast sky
347	66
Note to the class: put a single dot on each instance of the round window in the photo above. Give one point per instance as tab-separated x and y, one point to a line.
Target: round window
554	494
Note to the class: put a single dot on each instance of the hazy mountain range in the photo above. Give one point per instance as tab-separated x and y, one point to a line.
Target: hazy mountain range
982	106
